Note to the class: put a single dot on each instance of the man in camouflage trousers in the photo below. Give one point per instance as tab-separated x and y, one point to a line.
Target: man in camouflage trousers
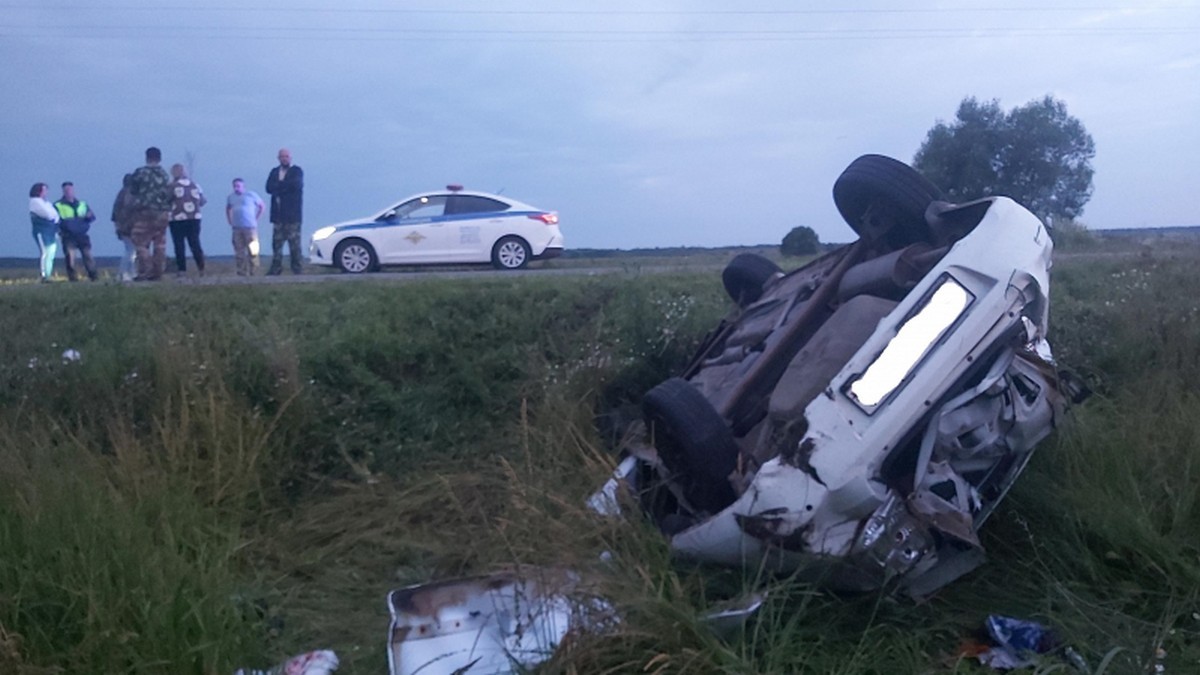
150	197
285	184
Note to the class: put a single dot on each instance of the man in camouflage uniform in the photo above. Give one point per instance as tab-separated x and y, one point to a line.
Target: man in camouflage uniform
285	184
150	197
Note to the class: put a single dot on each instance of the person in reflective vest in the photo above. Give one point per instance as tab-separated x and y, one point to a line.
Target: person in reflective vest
75	219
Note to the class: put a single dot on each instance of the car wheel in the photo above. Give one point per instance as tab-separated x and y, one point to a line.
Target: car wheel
511	253
693	442
745	276
355	256
882	197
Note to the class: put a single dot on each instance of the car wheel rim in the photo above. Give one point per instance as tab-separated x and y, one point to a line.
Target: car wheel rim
511	254
356	259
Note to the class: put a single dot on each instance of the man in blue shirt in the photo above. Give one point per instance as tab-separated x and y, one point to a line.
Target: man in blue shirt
243	209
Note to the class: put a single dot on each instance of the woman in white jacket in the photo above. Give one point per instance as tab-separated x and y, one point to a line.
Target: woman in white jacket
44	217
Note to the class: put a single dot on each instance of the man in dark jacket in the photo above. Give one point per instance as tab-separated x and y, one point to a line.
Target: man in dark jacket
75	219
285	184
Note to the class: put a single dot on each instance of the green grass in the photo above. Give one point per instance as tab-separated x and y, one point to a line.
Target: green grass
233	474
18	272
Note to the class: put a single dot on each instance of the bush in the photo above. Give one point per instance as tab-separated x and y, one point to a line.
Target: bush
1071	235
801	240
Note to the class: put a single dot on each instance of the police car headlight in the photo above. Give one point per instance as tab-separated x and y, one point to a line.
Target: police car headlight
323	233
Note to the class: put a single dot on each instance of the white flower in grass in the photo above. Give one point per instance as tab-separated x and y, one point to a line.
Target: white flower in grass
71	356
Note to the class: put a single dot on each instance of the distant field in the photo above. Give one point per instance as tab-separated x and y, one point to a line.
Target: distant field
1113	241
232	474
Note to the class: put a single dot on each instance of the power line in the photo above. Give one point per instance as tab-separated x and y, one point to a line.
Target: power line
82	30
125	31
586	12
378	32
581	37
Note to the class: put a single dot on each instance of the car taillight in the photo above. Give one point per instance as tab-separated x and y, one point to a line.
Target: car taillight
547	218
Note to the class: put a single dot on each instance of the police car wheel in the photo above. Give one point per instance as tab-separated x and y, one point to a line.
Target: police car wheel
355	256
511	253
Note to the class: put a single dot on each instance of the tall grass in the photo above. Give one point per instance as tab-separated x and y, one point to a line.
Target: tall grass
120	544
231	475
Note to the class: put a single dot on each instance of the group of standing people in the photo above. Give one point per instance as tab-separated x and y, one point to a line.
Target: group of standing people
151	202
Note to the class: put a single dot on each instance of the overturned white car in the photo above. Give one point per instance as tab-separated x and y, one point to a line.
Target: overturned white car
857	419
860	418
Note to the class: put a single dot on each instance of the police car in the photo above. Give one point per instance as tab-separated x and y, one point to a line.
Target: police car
449	226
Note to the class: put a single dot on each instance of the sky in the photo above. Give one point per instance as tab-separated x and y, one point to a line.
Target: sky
644	124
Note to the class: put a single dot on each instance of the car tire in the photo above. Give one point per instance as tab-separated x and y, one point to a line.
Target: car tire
746	275
693	442
893	193
355	256
511	253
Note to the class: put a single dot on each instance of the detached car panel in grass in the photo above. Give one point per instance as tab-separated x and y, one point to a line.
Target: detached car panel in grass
503	623
509	622
860	418
446	227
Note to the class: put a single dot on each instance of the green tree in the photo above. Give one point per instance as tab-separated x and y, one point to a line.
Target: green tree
1037	154
800	241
